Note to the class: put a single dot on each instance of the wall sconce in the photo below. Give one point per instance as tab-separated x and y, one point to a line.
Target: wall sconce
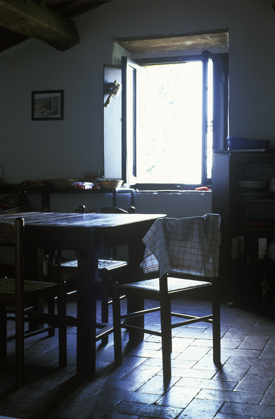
114	90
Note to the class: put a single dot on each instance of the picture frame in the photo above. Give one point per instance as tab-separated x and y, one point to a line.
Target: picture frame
47	105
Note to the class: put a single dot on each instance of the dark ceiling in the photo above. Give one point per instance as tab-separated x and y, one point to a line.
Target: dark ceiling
68	9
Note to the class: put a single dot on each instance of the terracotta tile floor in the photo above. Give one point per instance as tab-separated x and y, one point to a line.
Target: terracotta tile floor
245	388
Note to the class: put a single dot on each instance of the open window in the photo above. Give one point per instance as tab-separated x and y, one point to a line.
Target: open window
174	114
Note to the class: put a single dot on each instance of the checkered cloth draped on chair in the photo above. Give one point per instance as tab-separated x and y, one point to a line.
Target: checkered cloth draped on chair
188	245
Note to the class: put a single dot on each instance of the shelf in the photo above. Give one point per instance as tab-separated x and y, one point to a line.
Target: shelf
50	190
245	218
45	193
254	199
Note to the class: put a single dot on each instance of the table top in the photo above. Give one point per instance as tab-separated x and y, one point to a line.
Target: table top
75	231
88	234
29	216
87	220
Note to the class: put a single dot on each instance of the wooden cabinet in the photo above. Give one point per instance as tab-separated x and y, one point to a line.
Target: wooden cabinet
248	224
46	192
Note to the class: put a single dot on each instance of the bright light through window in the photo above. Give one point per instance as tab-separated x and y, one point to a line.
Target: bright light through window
169	142
210	119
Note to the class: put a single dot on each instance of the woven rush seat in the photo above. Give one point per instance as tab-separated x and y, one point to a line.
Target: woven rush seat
7	286
102	264
174	284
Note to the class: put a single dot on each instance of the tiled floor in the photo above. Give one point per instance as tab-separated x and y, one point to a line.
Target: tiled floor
245	388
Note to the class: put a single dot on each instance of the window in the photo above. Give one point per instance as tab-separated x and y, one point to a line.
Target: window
174	114
169	126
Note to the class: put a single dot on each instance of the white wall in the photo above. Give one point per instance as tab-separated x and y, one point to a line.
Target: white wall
69	148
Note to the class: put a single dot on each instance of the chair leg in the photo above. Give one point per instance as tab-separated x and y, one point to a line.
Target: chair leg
51	305
216	323
19	303
20	341
136	304
104	302
165	310
3	330
62	326
49	273
117	325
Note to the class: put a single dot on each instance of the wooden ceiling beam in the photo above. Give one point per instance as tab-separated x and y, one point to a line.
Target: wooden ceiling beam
35	20
74	8
175	42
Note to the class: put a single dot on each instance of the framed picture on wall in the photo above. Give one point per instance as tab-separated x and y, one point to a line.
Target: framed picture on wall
47	105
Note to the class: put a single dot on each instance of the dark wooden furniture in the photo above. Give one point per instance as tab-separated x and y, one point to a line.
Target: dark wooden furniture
179	246
86	233
110	269
46	191
247	216
19	292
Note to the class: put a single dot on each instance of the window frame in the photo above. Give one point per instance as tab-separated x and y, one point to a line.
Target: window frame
220	144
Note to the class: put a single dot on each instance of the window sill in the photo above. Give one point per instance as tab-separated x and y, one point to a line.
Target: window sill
153	187
171	191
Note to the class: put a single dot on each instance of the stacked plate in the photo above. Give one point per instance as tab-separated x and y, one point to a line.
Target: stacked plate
253	187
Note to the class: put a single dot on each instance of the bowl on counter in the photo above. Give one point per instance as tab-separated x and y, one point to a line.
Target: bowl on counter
110	183
64	183
237	143
9	202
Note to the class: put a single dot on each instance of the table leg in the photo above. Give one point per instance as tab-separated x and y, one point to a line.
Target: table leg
86	314
34	264
136	251
3	330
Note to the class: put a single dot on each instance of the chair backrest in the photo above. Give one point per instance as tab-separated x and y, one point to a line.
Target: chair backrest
7	234
13	234
19	266
107	210
184	245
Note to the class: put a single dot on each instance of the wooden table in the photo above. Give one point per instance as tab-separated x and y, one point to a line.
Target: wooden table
88	234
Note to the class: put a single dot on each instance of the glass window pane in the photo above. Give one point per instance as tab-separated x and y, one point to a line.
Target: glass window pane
210	119
170	124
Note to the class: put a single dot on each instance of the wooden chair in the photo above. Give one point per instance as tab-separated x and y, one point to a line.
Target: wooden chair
20	292
110	269
185	254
